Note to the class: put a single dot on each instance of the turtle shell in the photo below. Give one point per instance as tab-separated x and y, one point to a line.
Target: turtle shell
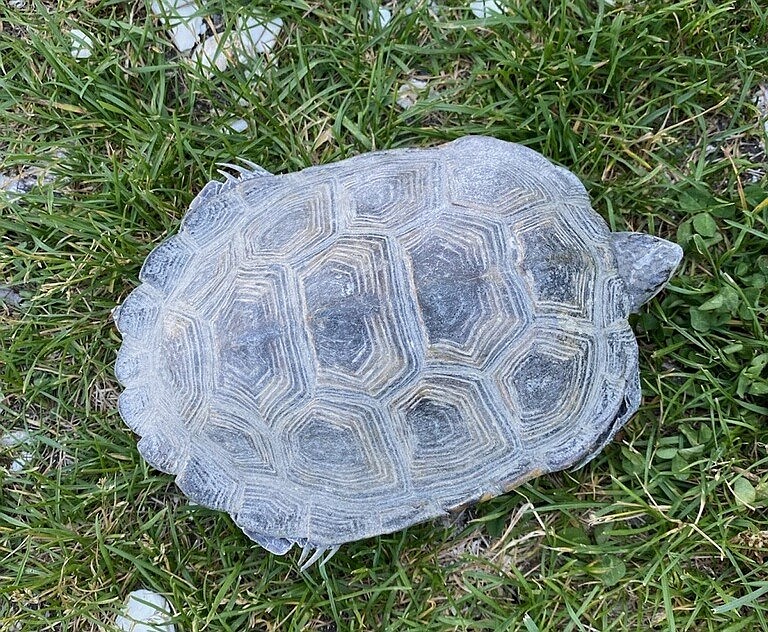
347	350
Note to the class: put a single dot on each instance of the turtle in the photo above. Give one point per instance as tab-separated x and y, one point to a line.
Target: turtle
344	351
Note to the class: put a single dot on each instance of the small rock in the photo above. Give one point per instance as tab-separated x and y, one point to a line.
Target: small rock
15	439
256	36
212	54
17	4
182	18
145	611
27	180
237	125
381	17
409	92
761	101
9	296
82	44
485	8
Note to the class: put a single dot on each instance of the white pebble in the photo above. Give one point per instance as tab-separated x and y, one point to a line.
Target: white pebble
13	440
182	18
256	36
237	125
380	17
185	33
24	182
761	101
82	44
485	8
408	93
17	4
145	611
212	54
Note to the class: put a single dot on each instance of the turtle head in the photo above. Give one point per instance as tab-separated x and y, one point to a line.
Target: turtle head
645	263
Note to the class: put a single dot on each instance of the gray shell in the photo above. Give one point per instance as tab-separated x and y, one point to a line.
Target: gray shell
348	350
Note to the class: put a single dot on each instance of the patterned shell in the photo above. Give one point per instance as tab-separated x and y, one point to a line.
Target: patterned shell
342	352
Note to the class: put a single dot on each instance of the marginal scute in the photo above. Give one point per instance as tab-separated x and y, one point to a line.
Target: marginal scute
263	511
205	476
501	178
278	546
344	351
558	268
131	360
160	449
207	222
137	316
164	266
134	407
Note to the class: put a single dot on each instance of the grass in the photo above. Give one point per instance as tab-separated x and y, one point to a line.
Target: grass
651	104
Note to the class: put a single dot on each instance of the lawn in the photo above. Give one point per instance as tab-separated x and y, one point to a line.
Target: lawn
657	106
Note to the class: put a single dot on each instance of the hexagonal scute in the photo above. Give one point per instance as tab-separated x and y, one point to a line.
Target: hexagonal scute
461	440
361	322
550	383
469	302
241	442
338	445
262	359
559	268
200	290
392	191
502	177
298	224
184	375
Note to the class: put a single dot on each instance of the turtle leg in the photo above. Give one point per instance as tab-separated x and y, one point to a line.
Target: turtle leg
255	169
304	553
645	264
330	552
252	170
312	559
